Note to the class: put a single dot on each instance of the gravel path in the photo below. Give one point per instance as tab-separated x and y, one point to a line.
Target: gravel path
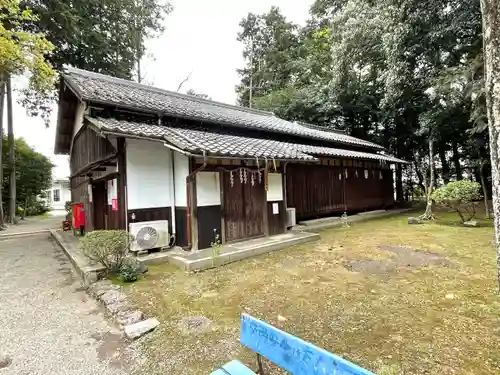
48	325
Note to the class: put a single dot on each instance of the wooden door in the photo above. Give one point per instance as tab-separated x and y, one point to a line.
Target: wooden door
99	205
243	206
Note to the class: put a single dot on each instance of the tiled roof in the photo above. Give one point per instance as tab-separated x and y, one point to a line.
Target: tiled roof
104	89
199	140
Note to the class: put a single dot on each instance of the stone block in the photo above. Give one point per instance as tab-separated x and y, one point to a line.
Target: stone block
414	220
136	330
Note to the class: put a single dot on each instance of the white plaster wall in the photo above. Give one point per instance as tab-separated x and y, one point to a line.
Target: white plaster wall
80	112
181	167
64	194
274	187
149	174
207	189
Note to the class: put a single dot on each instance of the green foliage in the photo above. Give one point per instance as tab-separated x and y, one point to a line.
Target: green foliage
393	72
462	196
33	176
130	270
103	36
68	206
108	247
24	51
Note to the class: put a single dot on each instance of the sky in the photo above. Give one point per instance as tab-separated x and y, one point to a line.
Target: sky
199	39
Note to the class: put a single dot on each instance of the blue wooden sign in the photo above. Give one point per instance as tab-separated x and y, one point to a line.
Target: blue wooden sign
291	353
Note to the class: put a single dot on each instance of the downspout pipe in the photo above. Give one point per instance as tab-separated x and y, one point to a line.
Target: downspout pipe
188	196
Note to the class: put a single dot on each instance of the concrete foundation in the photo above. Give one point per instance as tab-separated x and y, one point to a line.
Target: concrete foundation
205	259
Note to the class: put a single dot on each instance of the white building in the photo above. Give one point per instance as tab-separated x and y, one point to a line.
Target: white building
58	195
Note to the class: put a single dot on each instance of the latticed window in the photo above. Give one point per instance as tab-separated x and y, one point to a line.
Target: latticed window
57	195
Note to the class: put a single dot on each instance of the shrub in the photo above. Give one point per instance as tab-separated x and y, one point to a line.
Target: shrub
130	270
108	247
68	206
462	196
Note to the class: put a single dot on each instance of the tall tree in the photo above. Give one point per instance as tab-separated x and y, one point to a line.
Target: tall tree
491	31
104	36
21	52
270	46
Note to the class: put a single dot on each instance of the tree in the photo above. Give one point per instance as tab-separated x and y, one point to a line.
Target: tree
462	196
270	46
21	52
491	31
33	173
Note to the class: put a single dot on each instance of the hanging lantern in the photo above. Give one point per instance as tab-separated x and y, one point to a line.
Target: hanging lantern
252	179
366	173
245	177
231	178
241	175
345	172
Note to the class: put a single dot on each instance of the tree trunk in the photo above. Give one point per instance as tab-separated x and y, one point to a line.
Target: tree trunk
485	190
444	165
12	162
456	160
491	49
428	215
399	183
23	215
2	101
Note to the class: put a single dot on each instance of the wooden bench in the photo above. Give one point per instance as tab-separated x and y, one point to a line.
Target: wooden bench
292	354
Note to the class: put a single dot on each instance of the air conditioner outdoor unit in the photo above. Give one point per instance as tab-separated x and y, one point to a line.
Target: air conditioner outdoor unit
149	235
291	221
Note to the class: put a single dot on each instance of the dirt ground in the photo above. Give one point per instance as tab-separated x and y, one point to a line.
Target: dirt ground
391	297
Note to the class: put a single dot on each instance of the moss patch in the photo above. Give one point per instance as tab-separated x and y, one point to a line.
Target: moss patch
431	319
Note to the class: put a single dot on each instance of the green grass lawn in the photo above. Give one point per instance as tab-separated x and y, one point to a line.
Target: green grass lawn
369	293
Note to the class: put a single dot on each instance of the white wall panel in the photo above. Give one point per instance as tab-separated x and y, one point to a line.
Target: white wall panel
274	187
207	189
80	112
181	167
149	174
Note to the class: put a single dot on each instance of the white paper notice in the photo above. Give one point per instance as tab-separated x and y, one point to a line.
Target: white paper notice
276	209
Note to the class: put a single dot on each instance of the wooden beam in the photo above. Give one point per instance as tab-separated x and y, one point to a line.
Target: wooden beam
92	165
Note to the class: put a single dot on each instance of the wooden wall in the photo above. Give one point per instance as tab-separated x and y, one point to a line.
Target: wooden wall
88	147
319	190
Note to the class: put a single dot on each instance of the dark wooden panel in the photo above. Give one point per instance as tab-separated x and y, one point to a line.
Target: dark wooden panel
276	222
181	226
319	190
121	182
209	223
255	200
151	214
243	207
99	203
234	208
88	147
80	194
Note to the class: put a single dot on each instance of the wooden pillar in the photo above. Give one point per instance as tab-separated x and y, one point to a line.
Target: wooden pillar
194	214
266	219
222	208
122	183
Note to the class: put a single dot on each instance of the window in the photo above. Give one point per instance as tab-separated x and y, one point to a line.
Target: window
57	197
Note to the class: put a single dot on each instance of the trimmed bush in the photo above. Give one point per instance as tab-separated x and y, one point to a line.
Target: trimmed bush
463	196
108	247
